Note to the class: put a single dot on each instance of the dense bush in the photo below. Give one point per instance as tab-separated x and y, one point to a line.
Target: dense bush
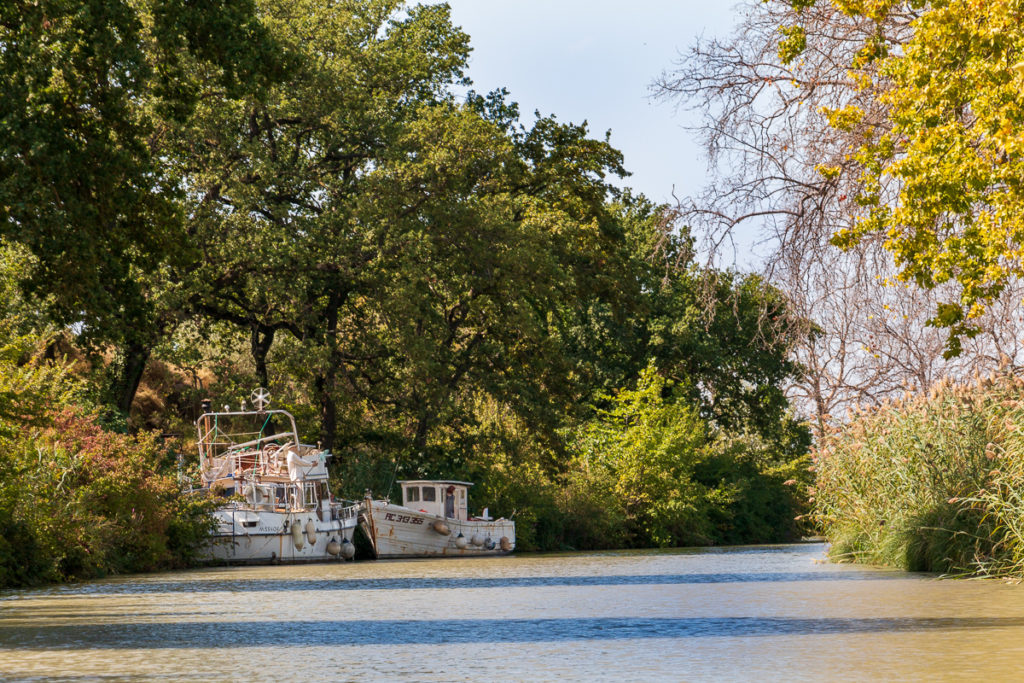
679	480
933	482
76	500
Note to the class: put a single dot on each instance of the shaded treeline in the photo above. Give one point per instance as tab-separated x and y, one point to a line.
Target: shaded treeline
292	194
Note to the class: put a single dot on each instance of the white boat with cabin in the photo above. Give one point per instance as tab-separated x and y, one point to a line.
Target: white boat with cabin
278	504
433	521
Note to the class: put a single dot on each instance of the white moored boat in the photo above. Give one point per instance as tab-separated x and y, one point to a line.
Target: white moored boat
278	505
433	521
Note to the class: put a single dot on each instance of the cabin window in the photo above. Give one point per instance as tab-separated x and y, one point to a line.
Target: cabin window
429	494
412	494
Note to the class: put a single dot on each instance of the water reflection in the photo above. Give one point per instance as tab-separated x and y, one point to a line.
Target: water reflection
449	583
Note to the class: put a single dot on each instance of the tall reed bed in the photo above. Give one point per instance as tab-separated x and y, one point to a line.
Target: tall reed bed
931	482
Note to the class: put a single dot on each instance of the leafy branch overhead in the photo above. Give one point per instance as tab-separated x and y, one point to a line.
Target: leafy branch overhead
939	179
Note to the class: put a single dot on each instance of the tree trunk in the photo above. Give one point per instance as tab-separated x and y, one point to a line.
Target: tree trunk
260	341
419	443
326	379
328	410
126	383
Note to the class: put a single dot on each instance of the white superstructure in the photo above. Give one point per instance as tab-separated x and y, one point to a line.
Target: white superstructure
277	503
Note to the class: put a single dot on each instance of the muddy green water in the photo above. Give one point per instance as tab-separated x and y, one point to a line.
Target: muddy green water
770	613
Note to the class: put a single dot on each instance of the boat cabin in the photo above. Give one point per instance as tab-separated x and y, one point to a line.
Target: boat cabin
442	498
271	469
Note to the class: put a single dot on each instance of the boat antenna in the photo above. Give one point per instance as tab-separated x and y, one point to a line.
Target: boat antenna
394	474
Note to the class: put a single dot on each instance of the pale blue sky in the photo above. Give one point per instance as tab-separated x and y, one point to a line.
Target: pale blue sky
594	60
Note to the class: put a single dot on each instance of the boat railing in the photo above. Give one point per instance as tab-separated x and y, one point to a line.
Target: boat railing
216	436
344	510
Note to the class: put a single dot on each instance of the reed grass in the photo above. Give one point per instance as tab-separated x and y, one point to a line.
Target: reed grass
933	481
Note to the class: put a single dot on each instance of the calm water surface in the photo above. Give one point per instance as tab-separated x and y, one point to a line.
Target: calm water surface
774	613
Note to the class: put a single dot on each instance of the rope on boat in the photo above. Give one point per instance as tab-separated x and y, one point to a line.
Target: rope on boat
264	426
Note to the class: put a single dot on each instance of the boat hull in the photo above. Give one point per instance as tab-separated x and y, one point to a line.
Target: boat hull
248	536
395	531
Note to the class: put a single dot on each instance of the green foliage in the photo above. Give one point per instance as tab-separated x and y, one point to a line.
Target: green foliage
723	336
677	482
793	43
81	182
78	501
932	482
649	446
757	490
83	502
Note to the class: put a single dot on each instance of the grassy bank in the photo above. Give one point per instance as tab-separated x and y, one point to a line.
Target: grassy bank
933	482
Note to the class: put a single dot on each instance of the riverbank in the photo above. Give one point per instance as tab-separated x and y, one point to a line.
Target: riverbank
80	499
933	482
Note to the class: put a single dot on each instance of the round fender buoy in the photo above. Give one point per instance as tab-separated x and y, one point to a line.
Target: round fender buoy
311	532
348	549
461	542
505	543
489	544
441	528
477	540
297	535
333	548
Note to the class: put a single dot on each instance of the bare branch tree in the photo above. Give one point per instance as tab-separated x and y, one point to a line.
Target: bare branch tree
783	157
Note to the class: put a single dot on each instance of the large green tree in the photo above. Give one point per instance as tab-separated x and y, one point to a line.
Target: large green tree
90	90
278	184
489	234
406	244
725	335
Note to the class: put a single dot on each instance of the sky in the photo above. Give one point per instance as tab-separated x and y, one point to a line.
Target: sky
595	60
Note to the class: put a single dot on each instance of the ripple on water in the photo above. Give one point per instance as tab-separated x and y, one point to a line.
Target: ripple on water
723	613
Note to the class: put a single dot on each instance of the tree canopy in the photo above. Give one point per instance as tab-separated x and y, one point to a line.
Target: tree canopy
306	195
939	175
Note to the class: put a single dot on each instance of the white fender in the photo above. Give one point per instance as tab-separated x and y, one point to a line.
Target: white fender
441	528
297	535
311	532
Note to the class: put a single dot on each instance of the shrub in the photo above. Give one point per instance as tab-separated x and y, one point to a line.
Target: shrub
81	502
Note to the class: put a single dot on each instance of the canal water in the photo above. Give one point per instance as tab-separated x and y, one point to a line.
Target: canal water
771	613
